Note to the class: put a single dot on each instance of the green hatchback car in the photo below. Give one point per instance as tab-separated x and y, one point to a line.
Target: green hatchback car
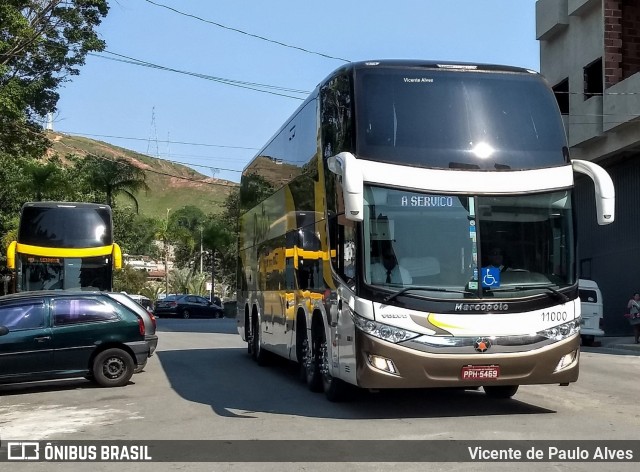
64	334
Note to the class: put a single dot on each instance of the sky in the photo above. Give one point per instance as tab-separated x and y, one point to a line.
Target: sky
182	111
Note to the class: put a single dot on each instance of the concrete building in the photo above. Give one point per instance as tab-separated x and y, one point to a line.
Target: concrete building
590	54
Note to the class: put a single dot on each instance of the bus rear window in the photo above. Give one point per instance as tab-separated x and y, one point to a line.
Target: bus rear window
68	227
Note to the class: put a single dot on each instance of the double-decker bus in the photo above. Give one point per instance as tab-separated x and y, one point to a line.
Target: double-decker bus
64	245
458	179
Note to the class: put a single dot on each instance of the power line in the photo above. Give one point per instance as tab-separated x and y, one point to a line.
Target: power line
153	171
246	33
234	83
160	141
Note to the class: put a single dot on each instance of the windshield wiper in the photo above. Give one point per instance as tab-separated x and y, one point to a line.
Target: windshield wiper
553	292
426	289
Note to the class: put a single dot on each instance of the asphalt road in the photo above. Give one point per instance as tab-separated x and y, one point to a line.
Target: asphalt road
201	384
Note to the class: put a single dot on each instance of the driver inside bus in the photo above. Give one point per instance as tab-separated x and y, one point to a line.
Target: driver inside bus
387	270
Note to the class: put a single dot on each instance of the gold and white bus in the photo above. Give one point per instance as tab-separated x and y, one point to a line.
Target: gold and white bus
436	199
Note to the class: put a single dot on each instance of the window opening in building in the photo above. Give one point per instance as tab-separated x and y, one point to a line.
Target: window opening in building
561	92
593	81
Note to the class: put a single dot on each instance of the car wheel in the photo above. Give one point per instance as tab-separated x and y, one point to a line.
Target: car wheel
113	368
186	315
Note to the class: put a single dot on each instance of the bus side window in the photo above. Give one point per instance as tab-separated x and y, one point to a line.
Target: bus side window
342	243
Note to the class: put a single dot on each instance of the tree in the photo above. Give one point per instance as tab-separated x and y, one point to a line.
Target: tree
133	232
222	241
129	280
42	44
162	232
186	224
44	180
113	177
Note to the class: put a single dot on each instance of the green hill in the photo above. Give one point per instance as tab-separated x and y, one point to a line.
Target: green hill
171	185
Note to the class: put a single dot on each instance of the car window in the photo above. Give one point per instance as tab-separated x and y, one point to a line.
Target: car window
202	301
191	300
27	315
67	311
588	296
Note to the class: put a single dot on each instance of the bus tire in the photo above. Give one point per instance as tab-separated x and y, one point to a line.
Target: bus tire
113	368
313	376
336	390
500	391
185	314
588	340
259	354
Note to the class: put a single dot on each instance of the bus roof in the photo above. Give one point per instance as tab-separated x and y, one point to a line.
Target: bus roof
431	64
65	204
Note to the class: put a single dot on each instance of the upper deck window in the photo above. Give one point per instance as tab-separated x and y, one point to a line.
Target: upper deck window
65	227
457	119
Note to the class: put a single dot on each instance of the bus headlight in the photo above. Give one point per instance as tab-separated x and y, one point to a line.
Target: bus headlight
388	333
558	333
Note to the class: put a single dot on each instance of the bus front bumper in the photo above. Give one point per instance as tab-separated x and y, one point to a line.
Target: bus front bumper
418	369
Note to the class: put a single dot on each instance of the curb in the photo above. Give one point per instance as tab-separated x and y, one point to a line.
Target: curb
625	347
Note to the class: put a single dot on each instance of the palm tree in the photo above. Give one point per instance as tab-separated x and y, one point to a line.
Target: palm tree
114	177
43	179
162	232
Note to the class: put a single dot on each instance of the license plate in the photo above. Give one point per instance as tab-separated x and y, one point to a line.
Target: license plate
480	372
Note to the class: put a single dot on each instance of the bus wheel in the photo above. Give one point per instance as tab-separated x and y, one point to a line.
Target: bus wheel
500	391
588	340
113	368
185	314
312	358
259	354
336	390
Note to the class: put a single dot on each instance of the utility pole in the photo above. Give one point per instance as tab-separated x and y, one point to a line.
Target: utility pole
201	249
213	272
166	255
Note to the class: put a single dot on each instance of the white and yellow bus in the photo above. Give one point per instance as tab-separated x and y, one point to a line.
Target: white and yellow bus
445	165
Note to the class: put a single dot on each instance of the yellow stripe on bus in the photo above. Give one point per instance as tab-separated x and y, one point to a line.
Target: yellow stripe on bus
63	252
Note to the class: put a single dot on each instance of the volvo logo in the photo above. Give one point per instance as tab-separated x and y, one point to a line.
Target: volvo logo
482	344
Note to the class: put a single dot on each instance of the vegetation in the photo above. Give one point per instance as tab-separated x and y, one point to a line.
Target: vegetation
43	43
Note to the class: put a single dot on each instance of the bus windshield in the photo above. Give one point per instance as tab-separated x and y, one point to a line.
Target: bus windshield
51	273
60	226
468	246
428	117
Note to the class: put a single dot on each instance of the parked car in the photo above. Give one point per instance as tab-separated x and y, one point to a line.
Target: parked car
48	335
147	316
141	300
188	306
592	316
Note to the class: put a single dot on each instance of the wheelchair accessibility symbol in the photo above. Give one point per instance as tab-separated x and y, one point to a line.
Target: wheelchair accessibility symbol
490	277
